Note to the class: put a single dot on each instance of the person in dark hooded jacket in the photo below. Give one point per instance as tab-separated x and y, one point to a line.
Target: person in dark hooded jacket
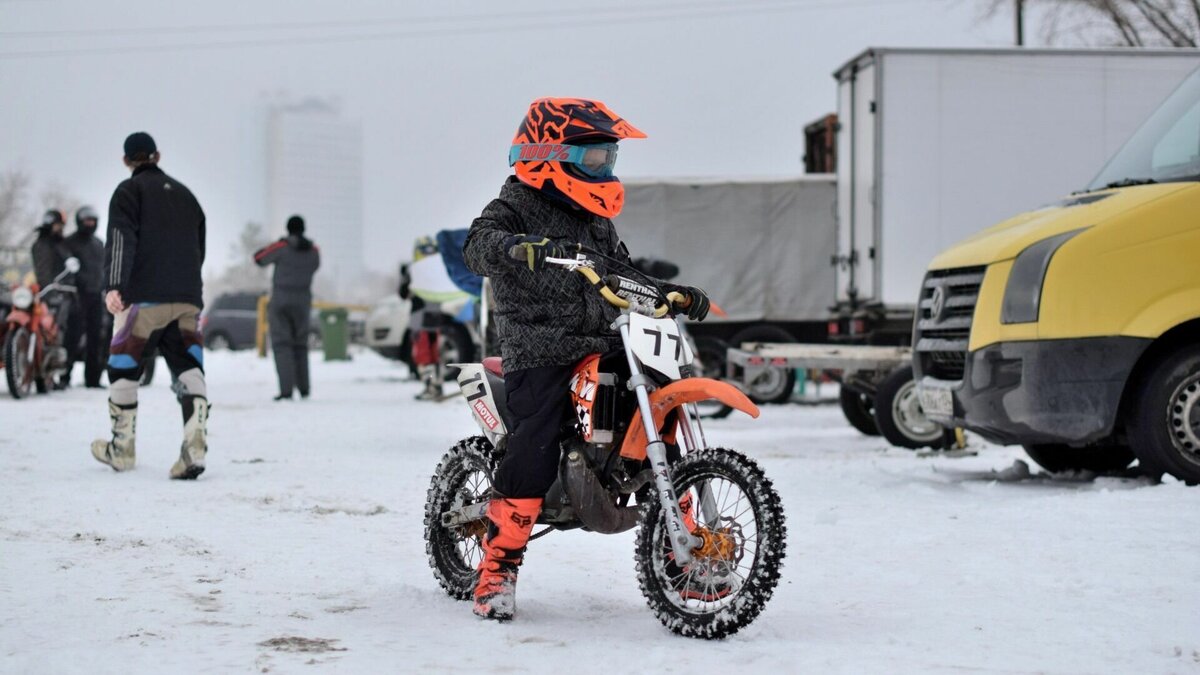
89	281
296	260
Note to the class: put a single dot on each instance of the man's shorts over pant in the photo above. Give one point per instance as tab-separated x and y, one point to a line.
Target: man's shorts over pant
171	329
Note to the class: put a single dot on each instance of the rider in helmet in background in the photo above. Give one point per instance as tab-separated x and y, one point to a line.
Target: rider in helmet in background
564	193
50	255
89	320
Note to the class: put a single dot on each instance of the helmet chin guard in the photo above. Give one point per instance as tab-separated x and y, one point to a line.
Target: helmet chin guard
572	122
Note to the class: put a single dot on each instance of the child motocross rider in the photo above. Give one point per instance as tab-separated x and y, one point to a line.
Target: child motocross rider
563	193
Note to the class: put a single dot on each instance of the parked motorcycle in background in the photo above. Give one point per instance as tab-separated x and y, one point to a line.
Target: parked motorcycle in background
35	355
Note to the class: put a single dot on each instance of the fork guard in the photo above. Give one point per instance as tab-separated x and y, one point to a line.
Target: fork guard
594	505
681	392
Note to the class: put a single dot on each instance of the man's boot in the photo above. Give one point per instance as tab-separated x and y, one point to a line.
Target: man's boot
433	383
195	438
118	453
509	523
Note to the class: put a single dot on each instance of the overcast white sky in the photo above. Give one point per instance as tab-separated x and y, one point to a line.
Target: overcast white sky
722	88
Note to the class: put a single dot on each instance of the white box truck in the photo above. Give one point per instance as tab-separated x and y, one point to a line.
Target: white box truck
934	145
937	144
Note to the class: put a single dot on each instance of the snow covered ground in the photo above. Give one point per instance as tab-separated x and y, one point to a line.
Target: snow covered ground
301	550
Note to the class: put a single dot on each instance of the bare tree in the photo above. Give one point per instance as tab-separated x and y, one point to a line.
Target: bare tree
1127	23
243	275
57	196
14	214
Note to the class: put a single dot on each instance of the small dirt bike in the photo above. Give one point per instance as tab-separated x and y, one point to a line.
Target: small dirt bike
34	353
712	537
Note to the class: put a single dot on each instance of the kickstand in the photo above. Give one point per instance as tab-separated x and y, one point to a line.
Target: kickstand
548	530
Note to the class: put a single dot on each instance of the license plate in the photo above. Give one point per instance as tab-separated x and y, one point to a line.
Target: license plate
936	400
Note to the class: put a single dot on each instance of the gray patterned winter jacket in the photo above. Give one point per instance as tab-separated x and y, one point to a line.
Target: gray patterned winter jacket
552	317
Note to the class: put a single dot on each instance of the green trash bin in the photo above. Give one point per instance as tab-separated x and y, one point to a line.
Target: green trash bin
335	333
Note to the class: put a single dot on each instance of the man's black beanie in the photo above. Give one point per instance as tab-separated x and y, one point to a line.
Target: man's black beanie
295	225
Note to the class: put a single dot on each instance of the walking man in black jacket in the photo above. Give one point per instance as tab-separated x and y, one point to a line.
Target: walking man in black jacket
152	265
87	247
296	260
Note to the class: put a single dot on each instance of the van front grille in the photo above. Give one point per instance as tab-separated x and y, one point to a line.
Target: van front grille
944	316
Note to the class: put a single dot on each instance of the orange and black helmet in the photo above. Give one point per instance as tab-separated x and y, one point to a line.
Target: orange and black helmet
568	145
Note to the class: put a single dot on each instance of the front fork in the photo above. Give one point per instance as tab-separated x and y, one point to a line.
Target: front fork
682	541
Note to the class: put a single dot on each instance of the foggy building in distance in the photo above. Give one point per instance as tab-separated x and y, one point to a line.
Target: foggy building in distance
315	169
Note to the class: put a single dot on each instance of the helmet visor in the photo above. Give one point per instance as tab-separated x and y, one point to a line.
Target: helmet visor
595	160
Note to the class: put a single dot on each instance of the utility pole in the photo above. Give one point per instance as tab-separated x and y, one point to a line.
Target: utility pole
1020	22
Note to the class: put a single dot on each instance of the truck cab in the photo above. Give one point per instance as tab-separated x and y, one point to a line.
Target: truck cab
1074	329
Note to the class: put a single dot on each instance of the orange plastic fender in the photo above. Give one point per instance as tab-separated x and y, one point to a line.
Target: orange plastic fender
670	397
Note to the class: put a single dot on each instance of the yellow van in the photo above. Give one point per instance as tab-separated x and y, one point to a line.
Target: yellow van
1074	330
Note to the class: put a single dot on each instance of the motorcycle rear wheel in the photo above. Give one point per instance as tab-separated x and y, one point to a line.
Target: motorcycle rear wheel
733	586
464	476
17	364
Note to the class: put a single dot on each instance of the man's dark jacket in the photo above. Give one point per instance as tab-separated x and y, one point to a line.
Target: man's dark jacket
551	317
155	241
88	248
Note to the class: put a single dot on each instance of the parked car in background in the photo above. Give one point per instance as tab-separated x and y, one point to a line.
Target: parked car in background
230	321
387	327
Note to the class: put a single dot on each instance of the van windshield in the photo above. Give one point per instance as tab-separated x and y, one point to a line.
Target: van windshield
1166	148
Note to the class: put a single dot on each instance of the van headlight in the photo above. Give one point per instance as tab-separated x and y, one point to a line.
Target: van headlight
1023	292
22	298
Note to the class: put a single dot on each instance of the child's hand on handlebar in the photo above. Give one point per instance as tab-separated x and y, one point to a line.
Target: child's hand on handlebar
532	250
697	304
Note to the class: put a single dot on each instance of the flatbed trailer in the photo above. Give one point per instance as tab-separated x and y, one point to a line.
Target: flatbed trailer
878	393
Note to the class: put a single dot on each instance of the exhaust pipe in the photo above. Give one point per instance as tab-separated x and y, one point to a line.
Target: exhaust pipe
592	503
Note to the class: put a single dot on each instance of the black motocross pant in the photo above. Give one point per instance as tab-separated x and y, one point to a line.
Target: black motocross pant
539	407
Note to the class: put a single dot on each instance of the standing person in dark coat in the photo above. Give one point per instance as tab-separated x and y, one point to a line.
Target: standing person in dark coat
152	260
89	280
50	255
49	250
296	260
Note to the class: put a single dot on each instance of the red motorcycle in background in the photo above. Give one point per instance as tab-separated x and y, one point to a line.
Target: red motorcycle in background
34	353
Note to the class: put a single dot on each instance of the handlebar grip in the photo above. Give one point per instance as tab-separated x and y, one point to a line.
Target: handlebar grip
679	300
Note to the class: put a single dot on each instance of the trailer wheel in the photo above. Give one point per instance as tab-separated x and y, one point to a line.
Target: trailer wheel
899	416
772	385
859	410
711	353
1164	425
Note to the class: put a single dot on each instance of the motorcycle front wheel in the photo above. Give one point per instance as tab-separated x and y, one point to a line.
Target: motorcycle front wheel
18	368
738	515
462	478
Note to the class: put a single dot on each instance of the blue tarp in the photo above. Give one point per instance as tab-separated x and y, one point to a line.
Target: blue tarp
450	245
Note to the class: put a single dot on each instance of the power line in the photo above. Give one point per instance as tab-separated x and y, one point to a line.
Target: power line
662	13
376	23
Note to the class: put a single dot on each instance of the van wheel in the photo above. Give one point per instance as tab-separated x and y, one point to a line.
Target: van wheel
1164	424
899	416
1057	458
771	385
859	410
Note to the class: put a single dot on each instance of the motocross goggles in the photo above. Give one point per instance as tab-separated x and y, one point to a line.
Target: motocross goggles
595	160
